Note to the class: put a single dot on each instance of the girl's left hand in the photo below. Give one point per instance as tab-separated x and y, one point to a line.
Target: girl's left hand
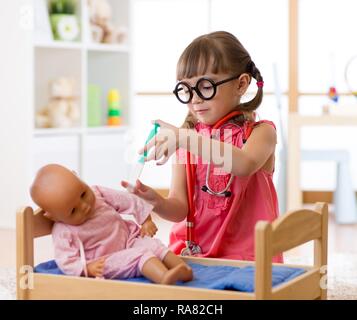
165	143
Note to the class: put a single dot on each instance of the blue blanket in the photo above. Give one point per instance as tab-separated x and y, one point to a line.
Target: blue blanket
210	277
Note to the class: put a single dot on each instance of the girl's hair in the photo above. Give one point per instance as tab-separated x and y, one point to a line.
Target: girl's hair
219	52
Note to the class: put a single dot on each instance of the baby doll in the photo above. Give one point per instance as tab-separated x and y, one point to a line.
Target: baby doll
92	239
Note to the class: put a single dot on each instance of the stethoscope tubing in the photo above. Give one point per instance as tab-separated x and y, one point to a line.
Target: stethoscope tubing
190	176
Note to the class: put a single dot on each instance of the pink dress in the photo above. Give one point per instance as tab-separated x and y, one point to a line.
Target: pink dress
106	233
224	227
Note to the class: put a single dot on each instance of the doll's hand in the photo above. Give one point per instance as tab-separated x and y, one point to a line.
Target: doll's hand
148	228
144	192
165	143
96	268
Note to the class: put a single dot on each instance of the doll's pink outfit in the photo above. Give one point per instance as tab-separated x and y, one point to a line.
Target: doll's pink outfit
107	234
224	226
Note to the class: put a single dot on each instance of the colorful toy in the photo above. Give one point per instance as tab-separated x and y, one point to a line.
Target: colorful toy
94	114
114	108
333	94
64	21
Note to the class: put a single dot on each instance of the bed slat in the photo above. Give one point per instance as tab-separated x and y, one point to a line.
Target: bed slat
294	229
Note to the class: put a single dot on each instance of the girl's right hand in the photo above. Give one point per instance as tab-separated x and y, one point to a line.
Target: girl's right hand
144	192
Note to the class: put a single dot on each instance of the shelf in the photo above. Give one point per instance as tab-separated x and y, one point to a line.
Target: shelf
59	45
76	131
96	153
105	129
102	47
56	131
96	47
333	120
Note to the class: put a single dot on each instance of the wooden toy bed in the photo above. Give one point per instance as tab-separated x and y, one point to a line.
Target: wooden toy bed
288	231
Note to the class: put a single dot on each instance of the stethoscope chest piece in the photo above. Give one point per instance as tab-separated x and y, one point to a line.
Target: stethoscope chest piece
206	188
191	249
225	194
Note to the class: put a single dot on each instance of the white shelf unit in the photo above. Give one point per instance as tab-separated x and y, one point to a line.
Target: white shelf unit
96	153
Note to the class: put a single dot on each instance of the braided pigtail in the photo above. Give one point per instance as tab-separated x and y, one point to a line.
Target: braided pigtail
256	101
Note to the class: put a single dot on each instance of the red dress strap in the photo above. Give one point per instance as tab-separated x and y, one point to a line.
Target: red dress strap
250	126
265	121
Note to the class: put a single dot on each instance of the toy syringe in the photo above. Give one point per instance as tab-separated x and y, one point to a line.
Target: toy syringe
139	166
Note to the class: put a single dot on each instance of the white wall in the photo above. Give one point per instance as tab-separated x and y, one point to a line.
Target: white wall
318	38
15	106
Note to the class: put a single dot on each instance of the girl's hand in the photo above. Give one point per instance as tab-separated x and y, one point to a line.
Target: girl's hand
165	143
144	192
96	268
148	228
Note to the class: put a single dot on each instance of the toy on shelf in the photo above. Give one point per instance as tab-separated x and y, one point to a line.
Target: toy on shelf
62	110
332	93
114	108
63	19
101	25
94	115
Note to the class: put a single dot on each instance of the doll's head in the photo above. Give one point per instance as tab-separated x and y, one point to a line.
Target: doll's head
63	196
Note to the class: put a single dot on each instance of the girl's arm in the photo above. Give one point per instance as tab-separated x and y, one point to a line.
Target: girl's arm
240	162
174	207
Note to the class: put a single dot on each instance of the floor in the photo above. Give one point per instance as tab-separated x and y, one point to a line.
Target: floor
342	255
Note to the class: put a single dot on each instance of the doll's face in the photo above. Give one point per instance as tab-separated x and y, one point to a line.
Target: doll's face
63	196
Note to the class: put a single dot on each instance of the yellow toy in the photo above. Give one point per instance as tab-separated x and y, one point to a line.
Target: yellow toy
114	108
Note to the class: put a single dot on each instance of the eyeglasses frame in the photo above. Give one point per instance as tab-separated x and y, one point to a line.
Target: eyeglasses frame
195	88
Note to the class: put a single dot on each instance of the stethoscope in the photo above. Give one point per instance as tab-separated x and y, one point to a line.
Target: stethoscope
191	247
206	188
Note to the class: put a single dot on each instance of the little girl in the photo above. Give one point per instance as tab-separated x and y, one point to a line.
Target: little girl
90	238
217	210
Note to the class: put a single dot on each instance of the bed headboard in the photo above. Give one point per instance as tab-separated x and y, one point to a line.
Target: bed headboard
29	225
289	231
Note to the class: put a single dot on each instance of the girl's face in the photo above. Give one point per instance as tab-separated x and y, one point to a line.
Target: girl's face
227	97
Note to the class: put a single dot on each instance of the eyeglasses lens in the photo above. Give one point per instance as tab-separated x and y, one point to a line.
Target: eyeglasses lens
183	92
206	88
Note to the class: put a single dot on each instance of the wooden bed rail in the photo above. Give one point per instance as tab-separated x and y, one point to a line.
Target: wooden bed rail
29	225
289	231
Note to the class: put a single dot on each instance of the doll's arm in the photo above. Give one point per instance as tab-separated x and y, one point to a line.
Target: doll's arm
148	228
126	203
96	268
66	249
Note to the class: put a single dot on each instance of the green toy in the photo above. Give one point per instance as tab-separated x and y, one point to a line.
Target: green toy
94	114
63	19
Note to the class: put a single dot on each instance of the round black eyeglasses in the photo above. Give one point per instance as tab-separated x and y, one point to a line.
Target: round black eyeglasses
205	88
